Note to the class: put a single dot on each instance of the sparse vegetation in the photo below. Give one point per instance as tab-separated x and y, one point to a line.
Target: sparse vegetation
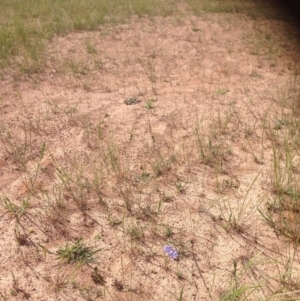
149	150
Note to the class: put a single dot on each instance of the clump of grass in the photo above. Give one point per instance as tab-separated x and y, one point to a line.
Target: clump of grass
284	204
126	193
212	140
77	186
211	151
150	103
168	232
59	283
20	152
14	210
161	163
76	253
238	290
136	233
234	217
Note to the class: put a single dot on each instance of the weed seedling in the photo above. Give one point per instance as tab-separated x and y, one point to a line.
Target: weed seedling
76	253
222	91
168	232
59	283
150	103
16	211
136	233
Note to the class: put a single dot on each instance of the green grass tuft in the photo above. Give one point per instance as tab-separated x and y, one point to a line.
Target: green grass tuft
76	253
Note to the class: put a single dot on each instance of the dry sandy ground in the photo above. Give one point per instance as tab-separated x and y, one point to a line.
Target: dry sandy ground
188	166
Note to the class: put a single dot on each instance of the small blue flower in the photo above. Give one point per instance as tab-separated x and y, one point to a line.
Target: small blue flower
172	253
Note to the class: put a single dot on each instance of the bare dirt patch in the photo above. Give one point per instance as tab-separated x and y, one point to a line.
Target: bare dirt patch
188	165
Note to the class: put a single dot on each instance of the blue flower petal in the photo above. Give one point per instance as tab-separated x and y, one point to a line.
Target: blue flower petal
172	253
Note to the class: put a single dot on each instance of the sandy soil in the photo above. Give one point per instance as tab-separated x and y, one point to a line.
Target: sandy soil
84	164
